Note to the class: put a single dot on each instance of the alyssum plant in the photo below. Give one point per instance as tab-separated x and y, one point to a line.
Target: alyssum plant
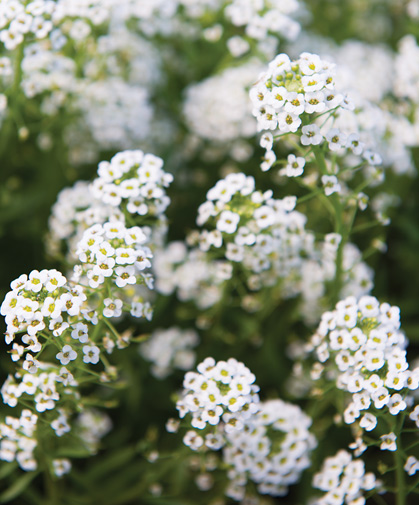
63	329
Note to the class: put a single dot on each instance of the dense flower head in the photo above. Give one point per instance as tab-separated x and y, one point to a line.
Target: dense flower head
74	211
344	480
169	349
218	108
132	183
18	440
190	273
262	233
272	450
118	114
113	254
37	300
131	186
40	19
135	179
219	392
291	88
43	383
361	342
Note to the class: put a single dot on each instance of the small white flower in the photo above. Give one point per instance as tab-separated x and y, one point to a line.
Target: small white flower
61	466
91	354
80	332
268	160
66	355
228	221
331	184
412	465
113	308
388	442
336	139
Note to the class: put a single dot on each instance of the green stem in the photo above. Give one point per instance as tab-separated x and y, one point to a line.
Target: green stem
400	477
401	491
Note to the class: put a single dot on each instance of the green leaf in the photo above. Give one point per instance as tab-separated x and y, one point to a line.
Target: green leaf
7	468
18	487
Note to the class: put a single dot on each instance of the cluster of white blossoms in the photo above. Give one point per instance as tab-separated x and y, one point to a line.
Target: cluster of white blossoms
218	108
357	276
191	274
290	89
92	425
407	74
272	450
169	349
44	70
219	393
294	97
117	114
131	183
263	17
110	251
40	19
360	343
264	234
74	211
135	181
344	480
43	382
17	440
40	301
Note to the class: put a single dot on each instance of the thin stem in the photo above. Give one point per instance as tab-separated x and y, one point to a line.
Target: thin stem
400	478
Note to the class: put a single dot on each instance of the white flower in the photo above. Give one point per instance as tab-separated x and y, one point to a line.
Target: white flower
80	332
388	442
61	466
266	141
336	139
295	166
331	184
268	160
66	355
113	308
228	221
412	465
91	354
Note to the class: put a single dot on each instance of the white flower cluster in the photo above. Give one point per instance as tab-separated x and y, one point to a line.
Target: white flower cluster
295	96
39	19
263	17
407	74
91	426
18	19
362	342
135	179
112	251
272	450
169	349
17	441
220	392
132	182
42	381
218	108
44	70
74	211
344	480
291	88
38	301
384	129
265	234
117	114
259	18
191	274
